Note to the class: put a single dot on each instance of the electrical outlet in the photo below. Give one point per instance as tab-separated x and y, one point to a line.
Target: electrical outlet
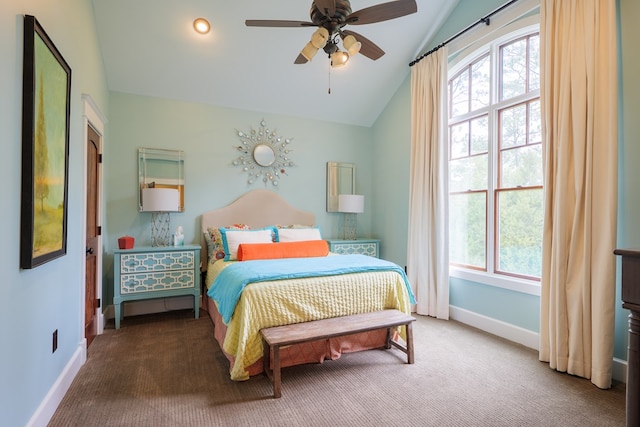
54	345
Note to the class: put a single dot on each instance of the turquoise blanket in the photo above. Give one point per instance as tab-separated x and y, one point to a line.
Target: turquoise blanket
227	287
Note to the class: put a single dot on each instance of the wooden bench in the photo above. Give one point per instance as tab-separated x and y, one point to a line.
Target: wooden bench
278	336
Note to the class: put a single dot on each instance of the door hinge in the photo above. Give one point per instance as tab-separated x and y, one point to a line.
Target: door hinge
100	158
98	303
99	231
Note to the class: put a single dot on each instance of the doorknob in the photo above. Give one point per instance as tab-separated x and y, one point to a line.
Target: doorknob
89	251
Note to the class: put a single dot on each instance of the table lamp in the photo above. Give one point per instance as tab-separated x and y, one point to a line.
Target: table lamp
350	205
160	202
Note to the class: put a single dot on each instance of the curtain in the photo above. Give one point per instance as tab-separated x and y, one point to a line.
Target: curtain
428	246
579	119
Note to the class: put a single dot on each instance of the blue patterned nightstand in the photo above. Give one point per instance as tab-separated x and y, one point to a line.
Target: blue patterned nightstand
369	247
158	272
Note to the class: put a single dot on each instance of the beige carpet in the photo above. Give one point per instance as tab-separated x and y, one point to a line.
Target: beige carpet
167	370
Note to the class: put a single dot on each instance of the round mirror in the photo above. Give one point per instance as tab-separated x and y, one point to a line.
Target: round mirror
264	155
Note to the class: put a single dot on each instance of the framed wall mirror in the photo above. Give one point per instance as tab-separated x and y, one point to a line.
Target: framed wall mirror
341	179
158	168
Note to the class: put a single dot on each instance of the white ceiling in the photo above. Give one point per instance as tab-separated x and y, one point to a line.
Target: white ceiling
150	48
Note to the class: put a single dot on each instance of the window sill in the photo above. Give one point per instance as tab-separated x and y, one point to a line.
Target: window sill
530	287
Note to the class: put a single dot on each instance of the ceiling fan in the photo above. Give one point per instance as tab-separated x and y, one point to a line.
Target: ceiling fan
330	16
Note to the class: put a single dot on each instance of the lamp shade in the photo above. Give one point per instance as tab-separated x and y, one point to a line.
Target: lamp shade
309	51
160	200
350	203
351	44
339	58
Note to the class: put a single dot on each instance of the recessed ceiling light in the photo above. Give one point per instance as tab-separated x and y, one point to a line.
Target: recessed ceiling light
201	25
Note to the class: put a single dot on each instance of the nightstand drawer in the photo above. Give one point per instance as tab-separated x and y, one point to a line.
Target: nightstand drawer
156	261
160	281
369	247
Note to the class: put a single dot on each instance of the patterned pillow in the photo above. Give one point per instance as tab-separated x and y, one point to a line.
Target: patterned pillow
213	239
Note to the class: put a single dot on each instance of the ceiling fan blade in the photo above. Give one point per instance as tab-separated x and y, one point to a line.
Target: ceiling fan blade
382	12
300	60
326	7
277	23
368	48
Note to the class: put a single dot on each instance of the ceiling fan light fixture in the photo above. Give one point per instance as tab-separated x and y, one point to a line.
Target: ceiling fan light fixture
201	26
320	37
339	58
309	51
351	44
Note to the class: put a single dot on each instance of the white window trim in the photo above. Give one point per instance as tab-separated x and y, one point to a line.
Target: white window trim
466	49
531	287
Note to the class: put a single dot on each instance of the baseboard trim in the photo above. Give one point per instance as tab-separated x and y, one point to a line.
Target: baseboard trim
50	403
519	335
496	327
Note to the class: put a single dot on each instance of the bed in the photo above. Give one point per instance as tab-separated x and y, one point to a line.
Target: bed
334	289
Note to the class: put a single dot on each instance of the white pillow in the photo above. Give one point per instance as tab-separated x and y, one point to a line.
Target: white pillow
298	234
231	239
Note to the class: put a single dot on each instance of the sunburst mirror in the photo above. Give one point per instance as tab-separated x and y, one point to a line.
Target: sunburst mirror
264	155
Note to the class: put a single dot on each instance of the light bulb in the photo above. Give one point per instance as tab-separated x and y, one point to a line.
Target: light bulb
201	26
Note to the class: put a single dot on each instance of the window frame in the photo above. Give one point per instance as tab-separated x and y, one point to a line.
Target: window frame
459	60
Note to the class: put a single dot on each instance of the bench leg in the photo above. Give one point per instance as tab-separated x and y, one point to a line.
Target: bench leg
266	360
409	343
387	343
276	371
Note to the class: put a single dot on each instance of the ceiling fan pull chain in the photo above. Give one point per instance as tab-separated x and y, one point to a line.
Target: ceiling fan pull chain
329	91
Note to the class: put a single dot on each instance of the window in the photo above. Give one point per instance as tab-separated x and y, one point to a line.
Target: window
495	160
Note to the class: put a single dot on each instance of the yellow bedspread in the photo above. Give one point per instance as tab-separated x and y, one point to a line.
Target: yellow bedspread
282	302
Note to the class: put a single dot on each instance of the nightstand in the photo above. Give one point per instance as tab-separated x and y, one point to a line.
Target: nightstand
369	247
155	272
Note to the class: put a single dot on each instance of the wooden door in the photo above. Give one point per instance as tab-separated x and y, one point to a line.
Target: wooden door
93	231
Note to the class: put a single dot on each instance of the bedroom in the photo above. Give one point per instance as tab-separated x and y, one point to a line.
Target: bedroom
37	302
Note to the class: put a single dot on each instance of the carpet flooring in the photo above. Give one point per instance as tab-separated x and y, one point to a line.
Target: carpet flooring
167	370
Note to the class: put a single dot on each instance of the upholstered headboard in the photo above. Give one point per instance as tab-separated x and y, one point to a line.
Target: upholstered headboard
256	208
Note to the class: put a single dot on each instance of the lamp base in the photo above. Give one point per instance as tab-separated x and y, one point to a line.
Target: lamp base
349	227
160	229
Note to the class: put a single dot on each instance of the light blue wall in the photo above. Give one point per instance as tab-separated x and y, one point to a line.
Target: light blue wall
33	303
208	136
629	151
391	160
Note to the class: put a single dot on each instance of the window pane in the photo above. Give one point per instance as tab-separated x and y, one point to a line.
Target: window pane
480	75
480	135
520	232
467	229
514	69
459	140
535	123
513	126
521	166
460	93
534	62
468	173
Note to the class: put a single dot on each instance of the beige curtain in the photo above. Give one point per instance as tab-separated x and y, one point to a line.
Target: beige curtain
579	106
428	243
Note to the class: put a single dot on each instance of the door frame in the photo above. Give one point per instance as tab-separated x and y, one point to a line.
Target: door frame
91	116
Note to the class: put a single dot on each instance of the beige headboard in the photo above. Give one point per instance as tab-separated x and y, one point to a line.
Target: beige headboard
256	208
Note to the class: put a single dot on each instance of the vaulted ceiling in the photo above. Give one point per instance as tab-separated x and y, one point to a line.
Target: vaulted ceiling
150	48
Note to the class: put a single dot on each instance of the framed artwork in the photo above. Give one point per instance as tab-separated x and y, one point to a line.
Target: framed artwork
46	93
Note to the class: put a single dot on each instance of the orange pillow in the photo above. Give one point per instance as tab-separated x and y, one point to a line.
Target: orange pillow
300	249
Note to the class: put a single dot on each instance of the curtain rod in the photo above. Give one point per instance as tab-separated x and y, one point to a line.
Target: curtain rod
484	20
